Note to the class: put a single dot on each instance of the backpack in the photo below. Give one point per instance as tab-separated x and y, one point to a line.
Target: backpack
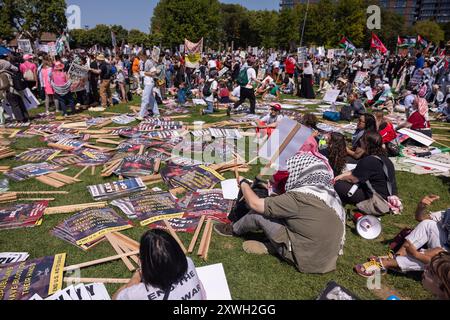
346	113
18	81
207	89
242	78
332	116
113	70
29	75
5	81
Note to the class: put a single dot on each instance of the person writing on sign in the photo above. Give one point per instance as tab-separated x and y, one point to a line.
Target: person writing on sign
418	120
305	226
166	273
431	233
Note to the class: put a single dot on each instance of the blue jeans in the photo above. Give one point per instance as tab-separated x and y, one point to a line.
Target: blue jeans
148	100
65	101
210	108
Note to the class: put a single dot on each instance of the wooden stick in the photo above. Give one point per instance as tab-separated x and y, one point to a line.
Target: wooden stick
113	242
196	234
74	208
41	192
37	199
93	171
175	236
81	172
208	242
99	261
95	280
204	238
107	141
51	182
141	150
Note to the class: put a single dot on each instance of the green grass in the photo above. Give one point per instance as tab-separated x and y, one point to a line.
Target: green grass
249	277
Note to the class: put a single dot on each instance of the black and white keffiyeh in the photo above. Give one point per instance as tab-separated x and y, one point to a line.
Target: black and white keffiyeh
310	175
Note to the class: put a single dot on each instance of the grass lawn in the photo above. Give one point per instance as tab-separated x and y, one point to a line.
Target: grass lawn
249	277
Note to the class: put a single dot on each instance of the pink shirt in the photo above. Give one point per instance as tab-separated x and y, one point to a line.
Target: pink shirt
59	78
46	80
27	65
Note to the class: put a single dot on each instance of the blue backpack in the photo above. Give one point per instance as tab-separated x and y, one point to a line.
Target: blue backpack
332	116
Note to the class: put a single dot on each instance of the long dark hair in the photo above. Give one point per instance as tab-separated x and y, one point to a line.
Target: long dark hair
163	263
371	123
338	152
373	143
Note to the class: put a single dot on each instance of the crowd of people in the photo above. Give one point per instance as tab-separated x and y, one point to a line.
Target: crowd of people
300	210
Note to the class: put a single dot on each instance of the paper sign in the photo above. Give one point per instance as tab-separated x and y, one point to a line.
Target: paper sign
29	99
214	282
97	291
230	189
25	45
417	136
331	95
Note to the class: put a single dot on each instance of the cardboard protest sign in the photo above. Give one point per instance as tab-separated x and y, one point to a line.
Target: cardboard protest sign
302	54
88	227
330	54
36	155
114	189
25	46
12	257
135	166
152	207
208	202
331	95
360	77
32	170
79	77
187	225
29	100
284	142
22	280
52	49
261	73
155	53
197	178
214	282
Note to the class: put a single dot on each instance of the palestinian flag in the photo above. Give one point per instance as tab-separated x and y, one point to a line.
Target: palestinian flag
377	44
406	42
347	45
422	42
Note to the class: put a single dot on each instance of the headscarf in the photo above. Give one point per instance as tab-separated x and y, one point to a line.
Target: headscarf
422	106
308	69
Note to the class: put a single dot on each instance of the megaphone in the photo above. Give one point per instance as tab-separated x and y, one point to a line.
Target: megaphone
368	227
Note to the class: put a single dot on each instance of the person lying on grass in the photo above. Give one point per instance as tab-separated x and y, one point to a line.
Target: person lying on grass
428	239
166	273
305	226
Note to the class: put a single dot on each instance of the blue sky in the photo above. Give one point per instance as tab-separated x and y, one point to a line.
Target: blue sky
136	14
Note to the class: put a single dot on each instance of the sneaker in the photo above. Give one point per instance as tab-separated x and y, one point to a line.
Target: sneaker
139	118
202	112
255	247
225	230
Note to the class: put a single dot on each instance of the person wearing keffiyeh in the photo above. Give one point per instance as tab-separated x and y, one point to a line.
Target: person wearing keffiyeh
419	119
306	225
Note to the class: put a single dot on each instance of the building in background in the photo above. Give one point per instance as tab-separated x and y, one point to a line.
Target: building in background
412	10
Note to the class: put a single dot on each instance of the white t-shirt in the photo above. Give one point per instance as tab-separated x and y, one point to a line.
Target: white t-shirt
236	92
270	120
251	75
276	64
148	81
213	89
189	288
409	100
212	64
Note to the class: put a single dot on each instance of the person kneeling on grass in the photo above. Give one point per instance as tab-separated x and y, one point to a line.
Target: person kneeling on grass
431	233
166	273
305	226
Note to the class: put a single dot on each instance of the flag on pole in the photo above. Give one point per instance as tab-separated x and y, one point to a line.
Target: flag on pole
377	44
347	45
422	42
113	39
406	42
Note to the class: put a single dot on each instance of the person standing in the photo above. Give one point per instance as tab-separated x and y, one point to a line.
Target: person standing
105	80
29	71
61	85
246	79
93	81
48	89
209	92
148	98
307	90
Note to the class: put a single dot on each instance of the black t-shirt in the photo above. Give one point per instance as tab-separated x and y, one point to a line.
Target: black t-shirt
370	169
93	76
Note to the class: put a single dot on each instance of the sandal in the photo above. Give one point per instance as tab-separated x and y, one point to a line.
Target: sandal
369	269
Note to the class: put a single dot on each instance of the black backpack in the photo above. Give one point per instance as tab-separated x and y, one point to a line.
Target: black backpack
207	89
346	113
19	82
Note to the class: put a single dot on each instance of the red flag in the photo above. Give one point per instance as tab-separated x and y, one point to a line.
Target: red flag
377	44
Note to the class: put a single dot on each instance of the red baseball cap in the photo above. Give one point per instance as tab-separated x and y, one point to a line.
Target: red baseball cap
276	107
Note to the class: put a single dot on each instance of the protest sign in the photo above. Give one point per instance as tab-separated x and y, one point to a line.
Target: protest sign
330	54
360	77
331	95
12	257
42	276
114	189
25	46
29	100
79	77
187	225
197	178
193	53
302	54
155	54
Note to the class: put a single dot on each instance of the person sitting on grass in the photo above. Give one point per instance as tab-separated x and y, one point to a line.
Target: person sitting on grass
428	239
182	94
305	226
271	120
224	93
166	273
273	93
336	152
367	123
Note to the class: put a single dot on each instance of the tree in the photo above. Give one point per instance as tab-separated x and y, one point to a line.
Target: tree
430	30
321	25
79	38
100	35
288	31
175	20
234	21
351	21
36	17
121	34
8	10
263	27
137	37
